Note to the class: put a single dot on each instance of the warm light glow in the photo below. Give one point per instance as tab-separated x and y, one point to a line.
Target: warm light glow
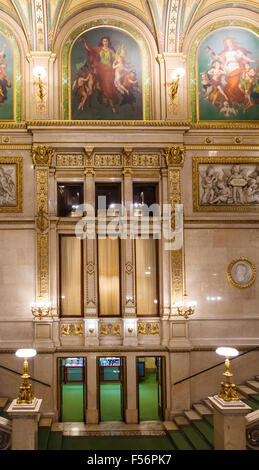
39	71
25	353
178	73
227	352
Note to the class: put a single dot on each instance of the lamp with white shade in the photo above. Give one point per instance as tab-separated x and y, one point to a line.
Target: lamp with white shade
25	394
227	389
176	74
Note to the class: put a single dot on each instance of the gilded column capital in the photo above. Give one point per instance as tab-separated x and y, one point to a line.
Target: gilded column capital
89	151
42	156
127	161
174	156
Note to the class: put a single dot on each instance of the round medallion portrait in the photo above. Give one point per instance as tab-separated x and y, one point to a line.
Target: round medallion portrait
241	273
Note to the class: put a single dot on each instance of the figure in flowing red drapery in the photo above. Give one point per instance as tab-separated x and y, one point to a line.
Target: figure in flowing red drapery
101	59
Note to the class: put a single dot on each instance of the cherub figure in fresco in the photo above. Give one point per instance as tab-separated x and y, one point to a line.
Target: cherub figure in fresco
84	85
217	75
246	81
4	82
130	82
206	85
227	110
120	67
2	53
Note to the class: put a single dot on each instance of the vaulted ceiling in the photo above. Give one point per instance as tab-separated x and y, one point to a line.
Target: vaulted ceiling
168	20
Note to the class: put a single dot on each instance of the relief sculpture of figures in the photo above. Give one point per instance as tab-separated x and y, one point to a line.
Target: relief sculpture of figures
235	185
7	186
106	76
228	76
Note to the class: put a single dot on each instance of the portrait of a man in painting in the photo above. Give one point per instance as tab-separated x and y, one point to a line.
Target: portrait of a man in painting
6	79
228	76
106	76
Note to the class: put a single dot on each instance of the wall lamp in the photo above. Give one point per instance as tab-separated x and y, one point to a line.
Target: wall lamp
227	389
175	76
39	73
41	309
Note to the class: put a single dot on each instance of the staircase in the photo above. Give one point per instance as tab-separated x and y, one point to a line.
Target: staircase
192	430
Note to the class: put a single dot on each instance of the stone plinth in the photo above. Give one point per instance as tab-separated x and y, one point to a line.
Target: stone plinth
229	424
25	424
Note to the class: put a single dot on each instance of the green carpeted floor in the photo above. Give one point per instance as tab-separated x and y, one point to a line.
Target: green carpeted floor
110	402
118	443
148	398
72	402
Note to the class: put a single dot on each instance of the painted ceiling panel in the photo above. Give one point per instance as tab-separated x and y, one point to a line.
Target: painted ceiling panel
76	5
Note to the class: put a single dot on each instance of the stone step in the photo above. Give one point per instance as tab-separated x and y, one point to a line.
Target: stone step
203	410
253	384
181	421
245	390
208	404
45	422
170	426
257	378
3	402
192	415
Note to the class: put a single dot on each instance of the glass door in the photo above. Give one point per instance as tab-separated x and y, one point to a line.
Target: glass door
150	388
72	378
111	388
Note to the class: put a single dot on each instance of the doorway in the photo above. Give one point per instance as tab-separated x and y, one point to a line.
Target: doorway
72	372
151	388
111	373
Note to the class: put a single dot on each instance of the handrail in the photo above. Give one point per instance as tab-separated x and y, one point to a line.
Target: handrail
212	367
31	378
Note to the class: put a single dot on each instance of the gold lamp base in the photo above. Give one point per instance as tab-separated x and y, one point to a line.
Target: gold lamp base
227	389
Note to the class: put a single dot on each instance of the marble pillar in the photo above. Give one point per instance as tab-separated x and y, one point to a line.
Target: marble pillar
229	424
25	424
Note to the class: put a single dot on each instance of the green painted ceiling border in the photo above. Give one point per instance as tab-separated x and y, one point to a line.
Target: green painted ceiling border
194	49
98	23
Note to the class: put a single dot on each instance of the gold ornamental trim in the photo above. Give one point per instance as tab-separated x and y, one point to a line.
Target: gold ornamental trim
146	160
43	266
110	329
42	156
221	147
174	156
103	160
69	160
72	329
176	255
234	281
148	328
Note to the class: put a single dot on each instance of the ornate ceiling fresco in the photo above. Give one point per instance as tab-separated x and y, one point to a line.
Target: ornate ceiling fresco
168	20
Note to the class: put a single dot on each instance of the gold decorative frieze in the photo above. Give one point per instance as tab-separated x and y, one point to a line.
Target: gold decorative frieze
11	184
148	328
110	329
101	160
176	255
42	156
43	266
72	329
42	178
146	160
69	160
174	156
